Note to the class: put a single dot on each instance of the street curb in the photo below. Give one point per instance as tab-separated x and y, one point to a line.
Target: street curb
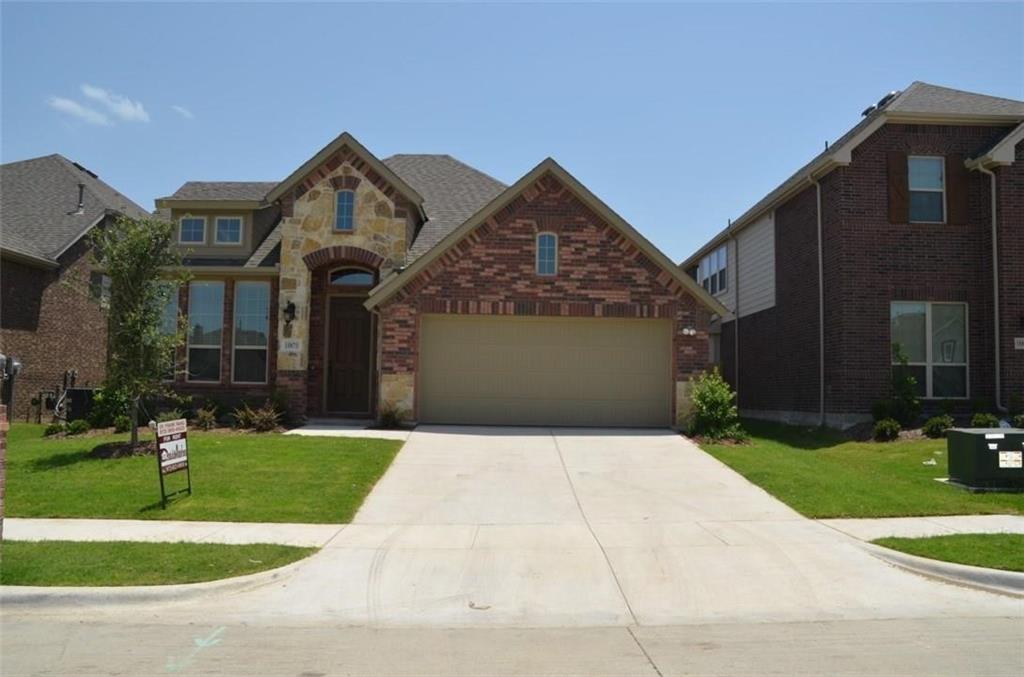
56	596
1009	583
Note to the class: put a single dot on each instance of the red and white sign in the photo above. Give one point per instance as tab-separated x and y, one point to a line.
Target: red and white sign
172	445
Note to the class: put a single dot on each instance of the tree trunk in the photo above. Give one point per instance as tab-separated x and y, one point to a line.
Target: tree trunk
135	421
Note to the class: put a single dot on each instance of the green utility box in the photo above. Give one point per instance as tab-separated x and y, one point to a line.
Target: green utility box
986	458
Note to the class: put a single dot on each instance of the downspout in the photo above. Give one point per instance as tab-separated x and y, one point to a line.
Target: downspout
736	320
995	286
821	306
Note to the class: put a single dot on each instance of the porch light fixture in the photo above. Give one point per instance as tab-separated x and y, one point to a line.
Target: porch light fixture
289	313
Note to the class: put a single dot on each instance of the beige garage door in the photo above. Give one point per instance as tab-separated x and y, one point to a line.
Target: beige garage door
545	371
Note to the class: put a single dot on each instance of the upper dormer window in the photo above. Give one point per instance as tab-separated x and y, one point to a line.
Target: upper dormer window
344	215
547	253
927	183
713	271
192	230
228	230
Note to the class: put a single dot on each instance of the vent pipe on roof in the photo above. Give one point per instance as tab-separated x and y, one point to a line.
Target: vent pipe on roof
81	200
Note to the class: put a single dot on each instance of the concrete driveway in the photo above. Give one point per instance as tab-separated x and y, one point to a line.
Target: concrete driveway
572	527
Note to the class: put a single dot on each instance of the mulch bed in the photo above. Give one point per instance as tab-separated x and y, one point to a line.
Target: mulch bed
124	449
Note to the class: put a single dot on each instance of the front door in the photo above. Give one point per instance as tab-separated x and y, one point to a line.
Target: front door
349	356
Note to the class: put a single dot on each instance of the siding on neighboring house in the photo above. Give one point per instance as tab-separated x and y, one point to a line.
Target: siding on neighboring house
755	266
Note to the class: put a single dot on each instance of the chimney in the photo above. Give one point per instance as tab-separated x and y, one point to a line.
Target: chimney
81	199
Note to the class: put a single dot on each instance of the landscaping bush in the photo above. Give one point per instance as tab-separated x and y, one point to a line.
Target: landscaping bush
122	423
904	405
172	415
242	416
107	405
887	430
390	418
937	426
264	419
78	426
53	429
1018	421
1015	405
714	412
206	419
982	420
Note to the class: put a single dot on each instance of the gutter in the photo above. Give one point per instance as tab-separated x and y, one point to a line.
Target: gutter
29	259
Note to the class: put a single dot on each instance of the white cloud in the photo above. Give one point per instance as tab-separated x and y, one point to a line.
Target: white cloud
75	109
119	106
184	112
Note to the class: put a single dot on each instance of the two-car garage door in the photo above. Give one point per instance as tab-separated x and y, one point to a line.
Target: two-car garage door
545	371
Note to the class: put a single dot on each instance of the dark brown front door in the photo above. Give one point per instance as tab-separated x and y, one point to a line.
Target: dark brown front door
349	356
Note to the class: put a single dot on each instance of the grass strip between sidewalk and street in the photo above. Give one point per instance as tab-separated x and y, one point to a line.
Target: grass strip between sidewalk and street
119	563
821	473
995	551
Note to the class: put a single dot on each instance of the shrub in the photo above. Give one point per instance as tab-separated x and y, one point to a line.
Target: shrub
390	418
122	423
206	419
714	412
53	429
937	426
983	420
906	407
242	416
78	426
107	405
264	419
1018	421
1015	405
172	415
887	429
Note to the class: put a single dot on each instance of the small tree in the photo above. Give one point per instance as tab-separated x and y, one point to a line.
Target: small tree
134	254
715	415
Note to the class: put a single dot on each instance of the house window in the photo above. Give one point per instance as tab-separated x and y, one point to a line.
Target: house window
252	331
351	277
206	324
192	230
933	336
927	182
547	254
99	288
712	273
228	230
344	215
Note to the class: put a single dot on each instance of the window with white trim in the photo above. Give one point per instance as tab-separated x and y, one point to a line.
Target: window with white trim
205	330
712	273
933	336
192	230
228	230
926	180
344	212
547	254
169	326
252	332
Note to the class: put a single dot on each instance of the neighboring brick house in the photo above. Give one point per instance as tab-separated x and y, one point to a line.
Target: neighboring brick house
50	314
421	285
888	236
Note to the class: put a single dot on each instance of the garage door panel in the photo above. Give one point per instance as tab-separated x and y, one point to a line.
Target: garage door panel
545	371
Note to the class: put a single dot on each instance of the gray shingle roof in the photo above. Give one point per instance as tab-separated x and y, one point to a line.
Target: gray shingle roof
452	192
925	99
223	190
39	204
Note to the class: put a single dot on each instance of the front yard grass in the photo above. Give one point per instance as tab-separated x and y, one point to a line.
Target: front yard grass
995	551
62	563
820	473
235	478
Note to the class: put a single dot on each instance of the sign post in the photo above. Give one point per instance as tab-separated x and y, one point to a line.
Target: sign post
172	455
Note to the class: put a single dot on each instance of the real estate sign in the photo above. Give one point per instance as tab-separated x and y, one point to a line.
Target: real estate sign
172	454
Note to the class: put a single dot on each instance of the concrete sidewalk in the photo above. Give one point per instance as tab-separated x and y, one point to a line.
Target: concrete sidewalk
155	531
917	527
334	427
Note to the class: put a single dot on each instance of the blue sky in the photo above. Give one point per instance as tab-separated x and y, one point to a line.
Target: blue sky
678	116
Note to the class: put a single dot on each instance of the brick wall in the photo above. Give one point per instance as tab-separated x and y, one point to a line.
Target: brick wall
491	272
51	322
1010	218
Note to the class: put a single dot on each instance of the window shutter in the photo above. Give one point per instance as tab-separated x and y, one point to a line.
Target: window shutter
956	190
899	208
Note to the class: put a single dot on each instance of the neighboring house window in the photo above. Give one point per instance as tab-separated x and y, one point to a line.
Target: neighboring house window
344	215
927	183
712	273
192	230
547	253
169	326
228	230
933	336
206	324
351	277
252	331
99	288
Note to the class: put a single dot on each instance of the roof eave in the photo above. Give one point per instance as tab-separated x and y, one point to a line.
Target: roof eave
29	259
171	203
1002	154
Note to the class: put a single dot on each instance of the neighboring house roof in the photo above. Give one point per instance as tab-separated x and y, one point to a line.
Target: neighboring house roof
920	102
39	215
223	190
452	192
392	285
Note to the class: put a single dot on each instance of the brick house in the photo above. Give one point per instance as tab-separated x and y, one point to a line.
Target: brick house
418	284
888	236
50	314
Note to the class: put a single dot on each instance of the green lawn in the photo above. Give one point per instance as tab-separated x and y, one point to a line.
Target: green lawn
822	474
996	551
235	478
120	563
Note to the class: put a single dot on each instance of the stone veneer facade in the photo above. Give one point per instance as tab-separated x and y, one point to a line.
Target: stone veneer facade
491	271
